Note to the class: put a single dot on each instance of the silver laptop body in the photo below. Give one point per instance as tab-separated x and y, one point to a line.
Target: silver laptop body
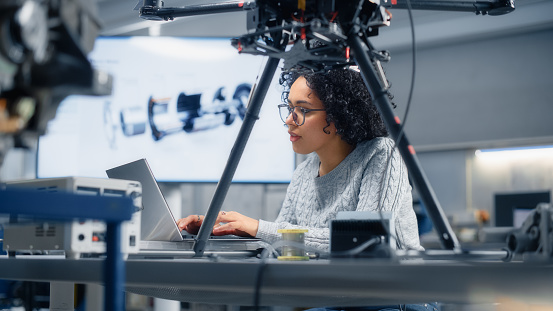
160	235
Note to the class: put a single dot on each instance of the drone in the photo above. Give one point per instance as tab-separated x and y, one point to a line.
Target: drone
43	69
317	30
322	35
319	35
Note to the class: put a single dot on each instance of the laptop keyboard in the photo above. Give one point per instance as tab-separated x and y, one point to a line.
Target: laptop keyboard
187	236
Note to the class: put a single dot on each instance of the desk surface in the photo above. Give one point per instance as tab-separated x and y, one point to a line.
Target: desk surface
311	283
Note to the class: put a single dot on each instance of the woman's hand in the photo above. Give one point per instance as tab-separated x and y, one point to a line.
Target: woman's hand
191	223
236	224
227	223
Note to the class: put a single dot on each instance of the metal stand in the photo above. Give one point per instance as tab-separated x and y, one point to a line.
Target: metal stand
66	207
114	269
62	296
252	115
383	104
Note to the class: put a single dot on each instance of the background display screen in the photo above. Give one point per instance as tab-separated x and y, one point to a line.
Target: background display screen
179	103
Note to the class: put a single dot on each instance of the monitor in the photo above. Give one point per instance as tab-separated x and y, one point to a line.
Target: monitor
179	103
511	209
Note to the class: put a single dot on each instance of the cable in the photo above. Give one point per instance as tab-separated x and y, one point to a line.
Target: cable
359	249
384	189
258	280
370	242
270	249
413	70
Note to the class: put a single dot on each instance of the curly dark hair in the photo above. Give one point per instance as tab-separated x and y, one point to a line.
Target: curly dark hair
346	99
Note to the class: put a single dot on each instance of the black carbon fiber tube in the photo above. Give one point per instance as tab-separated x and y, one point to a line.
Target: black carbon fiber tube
252	114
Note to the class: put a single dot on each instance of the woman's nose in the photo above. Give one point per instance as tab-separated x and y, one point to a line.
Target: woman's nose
290	119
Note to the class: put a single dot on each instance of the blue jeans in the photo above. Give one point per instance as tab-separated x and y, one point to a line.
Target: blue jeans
412	307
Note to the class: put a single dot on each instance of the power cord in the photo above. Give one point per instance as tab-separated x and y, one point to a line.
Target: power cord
271	249
384	189
370	242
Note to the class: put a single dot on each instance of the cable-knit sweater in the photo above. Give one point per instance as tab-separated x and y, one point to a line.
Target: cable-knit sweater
312	202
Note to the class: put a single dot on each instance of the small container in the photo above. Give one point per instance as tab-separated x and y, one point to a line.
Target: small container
294	251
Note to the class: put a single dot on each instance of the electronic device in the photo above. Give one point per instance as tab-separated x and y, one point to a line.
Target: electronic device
194	110
42	64
534	238
362	234
511	209
160	235
79	237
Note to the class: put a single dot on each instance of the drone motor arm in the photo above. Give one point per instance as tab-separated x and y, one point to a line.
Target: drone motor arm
153	9
489	7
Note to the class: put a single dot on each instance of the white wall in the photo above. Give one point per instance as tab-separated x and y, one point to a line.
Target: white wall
488	92
464	182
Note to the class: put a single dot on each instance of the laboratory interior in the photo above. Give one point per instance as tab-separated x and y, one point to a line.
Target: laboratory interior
110	135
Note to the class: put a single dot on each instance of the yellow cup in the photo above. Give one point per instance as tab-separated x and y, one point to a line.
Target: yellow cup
294	251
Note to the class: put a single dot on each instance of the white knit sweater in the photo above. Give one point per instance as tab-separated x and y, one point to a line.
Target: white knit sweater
312	202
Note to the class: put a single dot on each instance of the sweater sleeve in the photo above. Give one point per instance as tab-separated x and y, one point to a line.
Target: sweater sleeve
315	237
267	231
386	188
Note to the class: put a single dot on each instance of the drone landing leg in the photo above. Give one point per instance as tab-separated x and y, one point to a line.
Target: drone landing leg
252	114
383	104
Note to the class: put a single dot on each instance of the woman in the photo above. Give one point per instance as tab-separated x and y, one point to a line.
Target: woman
351	164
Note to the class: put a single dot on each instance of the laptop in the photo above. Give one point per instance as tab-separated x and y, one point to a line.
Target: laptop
160	235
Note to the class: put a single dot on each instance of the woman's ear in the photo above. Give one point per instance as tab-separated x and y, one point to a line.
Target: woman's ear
330	128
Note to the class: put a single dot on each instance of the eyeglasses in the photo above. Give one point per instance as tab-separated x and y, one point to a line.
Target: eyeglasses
298	113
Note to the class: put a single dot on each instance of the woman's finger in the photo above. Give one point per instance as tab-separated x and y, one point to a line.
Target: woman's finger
225	216
189	222
223	229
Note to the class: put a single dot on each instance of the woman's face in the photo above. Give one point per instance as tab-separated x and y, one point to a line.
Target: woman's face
309	137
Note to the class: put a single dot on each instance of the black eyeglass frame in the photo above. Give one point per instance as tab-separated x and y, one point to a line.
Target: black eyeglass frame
291	110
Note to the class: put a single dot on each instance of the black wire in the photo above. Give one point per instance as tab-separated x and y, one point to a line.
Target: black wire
258	280
266	253
413	71
263	264
358	249
407	107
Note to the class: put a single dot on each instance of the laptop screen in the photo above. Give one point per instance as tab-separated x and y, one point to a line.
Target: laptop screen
158	223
